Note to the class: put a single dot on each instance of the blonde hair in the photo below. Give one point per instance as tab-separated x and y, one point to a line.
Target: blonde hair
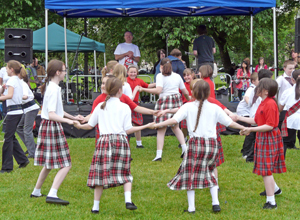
120	72
109	66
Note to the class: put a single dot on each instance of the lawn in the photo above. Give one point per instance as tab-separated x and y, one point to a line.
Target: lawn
239	195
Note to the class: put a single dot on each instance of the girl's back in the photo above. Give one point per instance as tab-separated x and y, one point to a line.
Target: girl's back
170	84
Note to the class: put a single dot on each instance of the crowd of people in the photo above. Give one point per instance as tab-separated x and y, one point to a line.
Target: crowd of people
184	100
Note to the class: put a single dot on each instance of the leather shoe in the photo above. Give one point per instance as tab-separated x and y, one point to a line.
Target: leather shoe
5	171
54	200
130	206
193	212
182	155
95	211
216	208
157	159
34	196
23	165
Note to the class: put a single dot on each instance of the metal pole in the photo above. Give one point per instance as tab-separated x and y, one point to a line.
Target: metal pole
46	38
66	57
251	43
275	42
104	59
167	36
95	63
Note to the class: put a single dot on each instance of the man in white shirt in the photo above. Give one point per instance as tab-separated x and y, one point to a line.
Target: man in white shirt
127	53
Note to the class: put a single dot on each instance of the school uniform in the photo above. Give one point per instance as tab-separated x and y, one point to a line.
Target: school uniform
110	166
170	97
25	126
137	118
52	149
268	151
127	90
211	86
184	100
199	161
11	146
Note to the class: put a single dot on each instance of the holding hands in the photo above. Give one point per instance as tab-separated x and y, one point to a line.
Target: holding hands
245	131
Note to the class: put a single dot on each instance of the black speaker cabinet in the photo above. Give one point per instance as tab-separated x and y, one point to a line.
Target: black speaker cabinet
297	35
21	54
18	37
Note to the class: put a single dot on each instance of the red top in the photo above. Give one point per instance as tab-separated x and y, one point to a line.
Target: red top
239	75
124	98
187	86
211	86
136	82
213	101
267	113
257	66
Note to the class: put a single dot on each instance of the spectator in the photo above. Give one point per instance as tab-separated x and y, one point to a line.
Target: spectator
261	65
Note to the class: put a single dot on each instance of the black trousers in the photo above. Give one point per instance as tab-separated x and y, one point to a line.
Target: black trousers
290	140
11	146
249	144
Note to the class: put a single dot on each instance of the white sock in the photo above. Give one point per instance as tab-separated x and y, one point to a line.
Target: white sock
191	200
139	143
53	193
37	192
271	199
214	195
158	154
276	187
185	139
183	148
96	205
127	195
217	182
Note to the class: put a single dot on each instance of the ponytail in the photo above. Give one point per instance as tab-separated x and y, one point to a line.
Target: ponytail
167	66
43	87
104	103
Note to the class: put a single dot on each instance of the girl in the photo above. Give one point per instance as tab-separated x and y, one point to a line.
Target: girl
268	150
167	85
31	110
110	166
206	73
120	72
244	75
134	82
261	65
109	68
11	146
196	169
52	148
289	102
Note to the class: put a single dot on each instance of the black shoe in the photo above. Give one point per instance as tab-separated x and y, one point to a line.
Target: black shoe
54	200
140	146
23	165
157	159
182	155
130	206
131	159
179	145
34	196
193	212
5	171
216	208
268	205
264	193
26	152
95	211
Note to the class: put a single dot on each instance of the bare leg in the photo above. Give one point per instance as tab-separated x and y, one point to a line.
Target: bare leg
269	185
43	175
176	130
127	187
161	138
60	176
138	135
216	172
98	192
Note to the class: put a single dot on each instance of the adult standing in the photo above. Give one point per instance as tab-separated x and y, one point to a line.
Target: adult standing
127	53
204	47
36	78
295	58
261	65
161	53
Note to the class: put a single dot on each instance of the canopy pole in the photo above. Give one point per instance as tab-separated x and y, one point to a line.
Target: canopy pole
251	44
275	42
66	58
95	68
46	39
104	59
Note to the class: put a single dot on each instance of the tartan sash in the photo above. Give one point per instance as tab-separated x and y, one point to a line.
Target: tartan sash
292	110
14	108
28	104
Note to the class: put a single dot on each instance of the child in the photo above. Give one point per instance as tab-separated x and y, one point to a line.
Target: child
167	85
109	68
11	146
52	148
134	82
31	110
268	152
196	169
120	72
289	101
243	74
110	166
206	73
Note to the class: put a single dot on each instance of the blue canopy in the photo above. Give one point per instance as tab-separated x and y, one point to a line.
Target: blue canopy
153	8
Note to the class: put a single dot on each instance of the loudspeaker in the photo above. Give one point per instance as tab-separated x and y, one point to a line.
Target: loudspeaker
297	35
18	45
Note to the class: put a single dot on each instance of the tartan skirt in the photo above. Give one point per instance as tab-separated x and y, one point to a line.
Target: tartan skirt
220	157
52	149
196	169
110	166
167	102
183	124
137	118
268	153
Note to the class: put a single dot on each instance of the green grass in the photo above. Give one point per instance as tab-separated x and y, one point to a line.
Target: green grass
239	196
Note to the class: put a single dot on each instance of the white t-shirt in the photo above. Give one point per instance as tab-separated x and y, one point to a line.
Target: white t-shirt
210	115
124	48
127	90
170	84
288	99
52	101
5	77
283	84
115	118
27	91
16	83
243	109
254	106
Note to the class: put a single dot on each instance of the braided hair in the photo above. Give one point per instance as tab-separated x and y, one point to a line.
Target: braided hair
112	87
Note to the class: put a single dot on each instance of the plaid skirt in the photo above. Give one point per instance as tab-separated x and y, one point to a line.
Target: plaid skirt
137	118
196	169
183	124
110	166
268	153
220	157
97	134
52	149
167	102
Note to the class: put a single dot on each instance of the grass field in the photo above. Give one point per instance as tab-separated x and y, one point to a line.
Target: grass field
239	195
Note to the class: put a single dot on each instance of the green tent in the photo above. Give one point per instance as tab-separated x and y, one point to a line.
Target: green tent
56	41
